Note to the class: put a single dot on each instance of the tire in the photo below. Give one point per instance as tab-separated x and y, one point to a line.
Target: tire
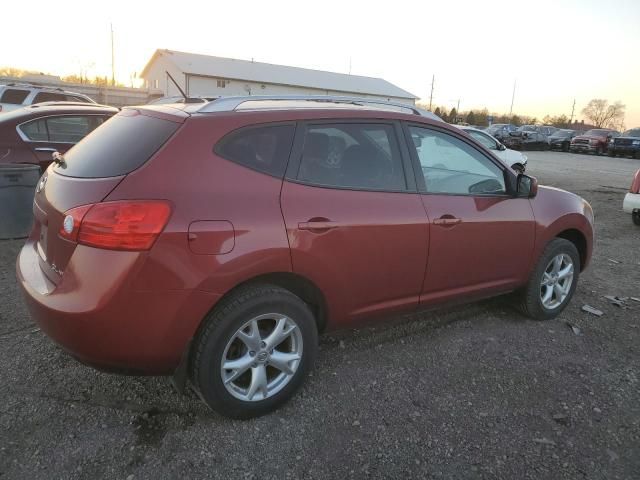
610	153
635	216
218	341
599	150
530	301
565	147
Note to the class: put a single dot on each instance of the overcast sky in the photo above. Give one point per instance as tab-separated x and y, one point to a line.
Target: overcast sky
556	50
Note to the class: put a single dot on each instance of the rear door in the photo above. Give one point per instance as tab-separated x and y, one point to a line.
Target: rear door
481	237
57	133
355	223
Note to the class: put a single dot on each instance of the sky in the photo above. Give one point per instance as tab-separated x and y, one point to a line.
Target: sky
555	51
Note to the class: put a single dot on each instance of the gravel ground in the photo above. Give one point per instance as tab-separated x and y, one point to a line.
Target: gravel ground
473	392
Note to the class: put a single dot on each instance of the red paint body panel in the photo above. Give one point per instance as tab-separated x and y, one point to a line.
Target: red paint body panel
369	254
372	259
490	249
635	184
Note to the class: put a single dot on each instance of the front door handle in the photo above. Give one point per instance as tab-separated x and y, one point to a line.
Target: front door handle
317	225
447	221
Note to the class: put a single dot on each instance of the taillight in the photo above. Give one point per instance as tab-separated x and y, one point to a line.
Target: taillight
120	225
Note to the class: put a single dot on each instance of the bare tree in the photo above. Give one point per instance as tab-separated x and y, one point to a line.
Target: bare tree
603	115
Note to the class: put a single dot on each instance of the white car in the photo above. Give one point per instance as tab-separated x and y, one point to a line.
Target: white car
516	160
18	95
631	203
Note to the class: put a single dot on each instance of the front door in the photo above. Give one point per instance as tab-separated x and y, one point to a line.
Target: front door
481	237
355	228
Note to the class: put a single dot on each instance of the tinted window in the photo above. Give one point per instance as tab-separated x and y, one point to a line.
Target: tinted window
16	97
73	98
71	129
449	165
118	146
635	132
35	130
351	155
49	97
263	148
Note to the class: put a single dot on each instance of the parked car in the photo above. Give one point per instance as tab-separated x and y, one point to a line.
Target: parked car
593	141
546	130
512	158
626	144
18	95
631	203
527	140
561	139
215	242
32	134
501	130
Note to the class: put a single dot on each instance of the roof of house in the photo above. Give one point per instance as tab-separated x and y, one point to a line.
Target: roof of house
207	65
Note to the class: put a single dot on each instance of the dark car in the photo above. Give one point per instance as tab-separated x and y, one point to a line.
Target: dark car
501	130
216	241
31	134
561	139
527	140
593	141
628	144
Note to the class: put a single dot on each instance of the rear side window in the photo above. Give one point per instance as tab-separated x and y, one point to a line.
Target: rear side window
36	130
118	146
49	97
265	148
358	156
16	97
61	129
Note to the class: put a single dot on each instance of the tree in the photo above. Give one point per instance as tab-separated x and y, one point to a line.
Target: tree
471	118
438	112
453	115
602	114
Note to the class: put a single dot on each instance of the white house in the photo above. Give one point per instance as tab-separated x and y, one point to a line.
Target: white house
204	75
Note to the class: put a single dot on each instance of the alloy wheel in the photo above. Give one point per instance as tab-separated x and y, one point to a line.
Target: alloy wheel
556	282
261	357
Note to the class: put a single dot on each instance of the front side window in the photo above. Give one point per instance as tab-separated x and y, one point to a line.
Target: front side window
486	141
14	96
451	166
264	148
360	156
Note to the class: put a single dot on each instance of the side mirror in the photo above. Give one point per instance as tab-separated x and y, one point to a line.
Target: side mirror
501	147
527	186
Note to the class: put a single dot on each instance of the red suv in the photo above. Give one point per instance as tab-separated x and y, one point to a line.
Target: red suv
214	242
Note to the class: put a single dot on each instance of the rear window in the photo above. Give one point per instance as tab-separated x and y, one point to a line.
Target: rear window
16	97
118	146
265	148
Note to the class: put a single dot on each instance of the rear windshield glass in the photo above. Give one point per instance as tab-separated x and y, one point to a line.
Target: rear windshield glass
118	146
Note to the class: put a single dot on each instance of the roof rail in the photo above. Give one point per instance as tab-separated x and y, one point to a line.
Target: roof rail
32	85
276	102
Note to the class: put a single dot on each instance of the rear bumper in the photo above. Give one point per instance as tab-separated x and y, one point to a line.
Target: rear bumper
631	202
95	314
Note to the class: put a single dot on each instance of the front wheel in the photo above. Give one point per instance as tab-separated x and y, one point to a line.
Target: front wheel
254	351
599	150
552	282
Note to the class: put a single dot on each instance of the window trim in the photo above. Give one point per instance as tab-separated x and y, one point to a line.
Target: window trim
295	159
509	178
26	139
218	144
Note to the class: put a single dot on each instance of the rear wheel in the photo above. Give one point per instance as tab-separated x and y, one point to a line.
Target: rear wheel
254	351
552	282
635	216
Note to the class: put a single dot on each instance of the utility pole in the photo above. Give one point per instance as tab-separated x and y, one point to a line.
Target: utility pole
513	96
433	79
572	110
349	65
113	70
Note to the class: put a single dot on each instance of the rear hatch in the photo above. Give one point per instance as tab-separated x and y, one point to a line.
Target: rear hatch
90	171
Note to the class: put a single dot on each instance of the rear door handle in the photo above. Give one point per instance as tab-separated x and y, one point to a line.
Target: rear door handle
317	225
447	221
45	149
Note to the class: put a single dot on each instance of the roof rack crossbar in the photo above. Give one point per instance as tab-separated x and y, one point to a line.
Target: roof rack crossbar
229	104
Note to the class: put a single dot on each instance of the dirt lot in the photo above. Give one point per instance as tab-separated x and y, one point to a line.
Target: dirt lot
474	392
